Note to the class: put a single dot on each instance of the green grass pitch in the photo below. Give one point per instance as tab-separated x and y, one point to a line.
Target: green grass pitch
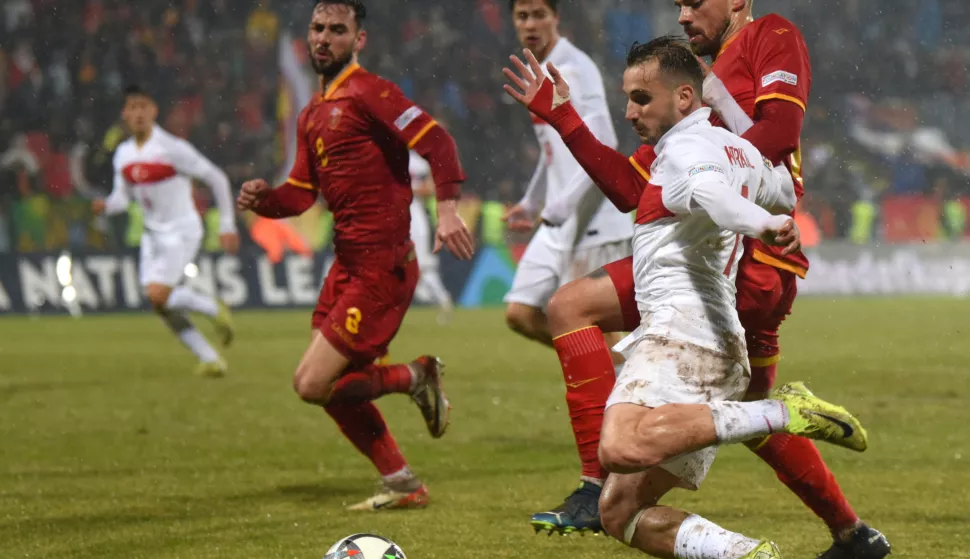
109	447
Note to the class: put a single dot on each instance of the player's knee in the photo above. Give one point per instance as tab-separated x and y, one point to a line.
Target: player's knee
617	508
522	319
157	296
309	386
564	310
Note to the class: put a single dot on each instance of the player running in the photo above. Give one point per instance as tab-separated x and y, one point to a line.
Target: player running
156	168
764	65
430	288
353	140
686	361
592	232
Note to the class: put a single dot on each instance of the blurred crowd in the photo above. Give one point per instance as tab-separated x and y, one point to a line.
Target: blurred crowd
890	91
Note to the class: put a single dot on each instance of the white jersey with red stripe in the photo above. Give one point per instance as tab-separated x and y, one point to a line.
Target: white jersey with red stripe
157	174
559	171
684	262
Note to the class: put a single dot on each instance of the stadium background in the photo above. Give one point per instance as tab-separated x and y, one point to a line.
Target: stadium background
884	144
110	447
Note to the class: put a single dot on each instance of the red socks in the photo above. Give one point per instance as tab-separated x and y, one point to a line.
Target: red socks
370	383
364	426
799	466
359	419
587	368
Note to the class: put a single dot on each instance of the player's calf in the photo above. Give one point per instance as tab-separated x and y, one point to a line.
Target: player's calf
528	321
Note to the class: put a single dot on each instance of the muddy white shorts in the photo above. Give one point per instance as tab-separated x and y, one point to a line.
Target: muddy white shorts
662	371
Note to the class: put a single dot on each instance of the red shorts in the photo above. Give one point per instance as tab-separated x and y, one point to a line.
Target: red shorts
765	298
362	305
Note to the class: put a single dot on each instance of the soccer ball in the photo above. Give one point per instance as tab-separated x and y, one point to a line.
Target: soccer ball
365	546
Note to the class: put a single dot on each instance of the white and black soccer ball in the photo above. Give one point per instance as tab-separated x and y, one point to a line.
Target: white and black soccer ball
365	546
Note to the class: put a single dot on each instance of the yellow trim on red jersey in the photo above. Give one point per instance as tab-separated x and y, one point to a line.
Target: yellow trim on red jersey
781	96
728	42
332	88
300	184
572	332
417	137
639	169
778	263
764	361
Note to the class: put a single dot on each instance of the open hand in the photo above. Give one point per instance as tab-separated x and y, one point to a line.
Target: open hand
452	232
532	88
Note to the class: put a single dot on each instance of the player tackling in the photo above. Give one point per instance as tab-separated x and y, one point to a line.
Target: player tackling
352	148
156	169
758	88
676	397
589	231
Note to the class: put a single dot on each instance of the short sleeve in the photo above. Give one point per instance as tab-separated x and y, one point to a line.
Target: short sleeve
781	64
642	161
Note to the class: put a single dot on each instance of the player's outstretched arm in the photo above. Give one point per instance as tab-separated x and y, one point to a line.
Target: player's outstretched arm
549	100
116	202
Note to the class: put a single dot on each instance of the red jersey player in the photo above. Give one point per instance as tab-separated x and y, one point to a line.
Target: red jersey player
353	141
764	65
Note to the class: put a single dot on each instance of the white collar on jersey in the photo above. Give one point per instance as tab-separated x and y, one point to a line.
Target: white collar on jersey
699	116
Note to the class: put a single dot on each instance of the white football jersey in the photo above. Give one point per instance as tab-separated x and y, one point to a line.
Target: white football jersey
157	175
684	263
588	96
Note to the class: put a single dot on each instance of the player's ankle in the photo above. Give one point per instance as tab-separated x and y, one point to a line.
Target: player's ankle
403	481
844	534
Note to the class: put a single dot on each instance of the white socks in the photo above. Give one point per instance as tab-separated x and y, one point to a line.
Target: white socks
737	422
402	480
196	342
185	299
191	338
702	539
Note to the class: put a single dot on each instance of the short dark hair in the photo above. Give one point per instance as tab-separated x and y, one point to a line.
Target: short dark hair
674	57
360	10
135	90
553	5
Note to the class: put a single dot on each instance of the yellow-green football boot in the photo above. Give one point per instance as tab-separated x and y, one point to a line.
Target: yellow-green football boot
812	417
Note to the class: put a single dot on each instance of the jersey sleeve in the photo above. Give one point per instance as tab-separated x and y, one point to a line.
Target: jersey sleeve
776	192
118	200
387	104
687	161
301	174
781	65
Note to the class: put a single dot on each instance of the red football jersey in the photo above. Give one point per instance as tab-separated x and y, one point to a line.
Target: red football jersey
352	148
768	59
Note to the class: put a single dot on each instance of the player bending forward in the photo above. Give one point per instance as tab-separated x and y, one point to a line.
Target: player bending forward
675	399
430	287
156	169
353	140
759	88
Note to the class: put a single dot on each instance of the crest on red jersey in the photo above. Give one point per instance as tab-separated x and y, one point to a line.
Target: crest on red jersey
335	115
782	31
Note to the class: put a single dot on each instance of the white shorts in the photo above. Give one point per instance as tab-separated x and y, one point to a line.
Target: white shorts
164	256
662	371
544	268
